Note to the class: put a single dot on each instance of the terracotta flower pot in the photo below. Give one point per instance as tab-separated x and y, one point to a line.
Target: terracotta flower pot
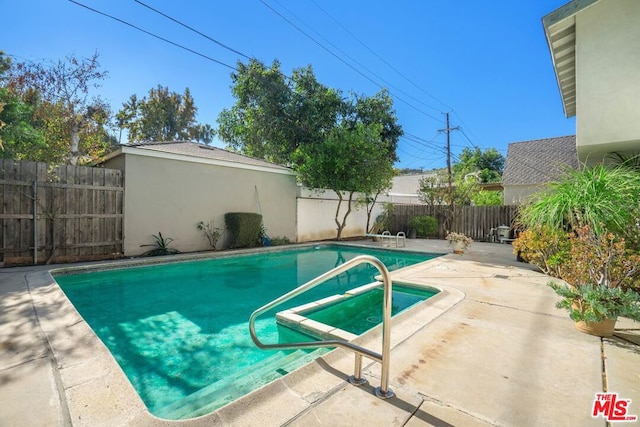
458	247
604	328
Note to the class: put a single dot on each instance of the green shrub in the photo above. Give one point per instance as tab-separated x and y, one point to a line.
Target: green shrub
277	241
244	229
424	225
544	247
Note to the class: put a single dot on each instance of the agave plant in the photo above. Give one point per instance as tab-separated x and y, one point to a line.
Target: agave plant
160	246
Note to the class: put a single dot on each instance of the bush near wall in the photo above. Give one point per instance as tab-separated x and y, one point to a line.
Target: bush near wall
243	229
424	225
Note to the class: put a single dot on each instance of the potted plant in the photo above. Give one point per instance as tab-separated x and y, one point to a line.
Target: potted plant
459	241
602	282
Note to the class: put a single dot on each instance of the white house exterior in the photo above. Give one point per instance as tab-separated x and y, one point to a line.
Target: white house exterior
405	188
595	48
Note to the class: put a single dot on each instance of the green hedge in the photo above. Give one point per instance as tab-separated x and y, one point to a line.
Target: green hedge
424	225
243	229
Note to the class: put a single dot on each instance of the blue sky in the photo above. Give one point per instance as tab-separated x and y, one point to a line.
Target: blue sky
486	62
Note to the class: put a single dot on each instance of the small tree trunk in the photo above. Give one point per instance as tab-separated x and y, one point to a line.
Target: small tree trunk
370	210
342	224
75	145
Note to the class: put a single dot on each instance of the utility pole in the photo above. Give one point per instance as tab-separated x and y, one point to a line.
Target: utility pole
448	130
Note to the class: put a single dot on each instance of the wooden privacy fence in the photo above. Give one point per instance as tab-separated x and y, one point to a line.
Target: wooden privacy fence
474	221
59	214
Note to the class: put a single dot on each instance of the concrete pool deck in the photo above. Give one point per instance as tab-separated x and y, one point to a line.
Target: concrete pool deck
493	350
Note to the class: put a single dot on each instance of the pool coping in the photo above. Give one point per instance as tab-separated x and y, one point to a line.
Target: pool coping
94	387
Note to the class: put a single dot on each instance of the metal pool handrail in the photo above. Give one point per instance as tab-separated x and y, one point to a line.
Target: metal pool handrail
383	391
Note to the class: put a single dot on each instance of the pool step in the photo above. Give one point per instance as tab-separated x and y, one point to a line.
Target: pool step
218	394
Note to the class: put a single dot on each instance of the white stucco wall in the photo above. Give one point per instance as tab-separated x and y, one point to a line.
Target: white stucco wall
519	194
171	196
608	78
316	216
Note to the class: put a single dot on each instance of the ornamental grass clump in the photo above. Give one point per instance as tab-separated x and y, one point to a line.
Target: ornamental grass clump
598	197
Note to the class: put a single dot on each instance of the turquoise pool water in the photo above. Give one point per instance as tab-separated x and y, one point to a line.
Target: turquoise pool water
180	330
362	312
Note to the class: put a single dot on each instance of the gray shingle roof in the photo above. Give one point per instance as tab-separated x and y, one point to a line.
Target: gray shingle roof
539	161
188	148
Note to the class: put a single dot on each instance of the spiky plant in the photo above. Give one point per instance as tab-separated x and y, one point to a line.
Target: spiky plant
160	246
598	197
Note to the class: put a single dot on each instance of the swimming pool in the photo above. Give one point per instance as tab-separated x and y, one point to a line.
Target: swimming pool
179	331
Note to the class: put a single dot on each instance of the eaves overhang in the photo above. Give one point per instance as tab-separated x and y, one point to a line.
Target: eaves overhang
560	31
124	149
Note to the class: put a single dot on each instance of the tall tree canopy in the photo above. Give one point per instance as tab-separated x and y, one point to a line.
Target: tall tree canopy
273	114
347	145
17	132
160	116
487	165
55	99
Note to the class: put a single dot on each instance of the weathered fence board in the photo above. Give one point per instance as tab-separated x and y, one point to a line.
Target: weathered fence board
63	213
474	221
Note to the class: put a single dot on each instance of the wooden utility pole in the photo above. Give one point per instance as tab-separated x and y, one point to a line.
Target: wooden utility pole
448	130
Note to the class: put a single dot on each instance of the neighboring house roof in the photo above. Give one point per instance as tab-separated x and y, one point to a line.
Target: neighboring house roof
539	161
560	30
200	151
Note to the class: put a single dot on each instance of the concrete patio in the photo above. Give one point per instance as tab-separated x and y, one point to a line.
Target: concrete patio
490	350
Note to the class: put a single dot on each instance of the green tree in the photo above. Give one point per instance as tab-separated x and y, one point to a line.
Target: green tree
487	198
206	133
377	109
59	95
300	122
349	160
161	116
434	190
487	165
274	115
19	139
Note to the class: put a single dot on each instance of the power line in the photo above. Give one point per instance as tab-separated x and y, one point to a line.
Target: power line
468	139
343	61
381	58
194	30
423	141
248	57
356	61
154	35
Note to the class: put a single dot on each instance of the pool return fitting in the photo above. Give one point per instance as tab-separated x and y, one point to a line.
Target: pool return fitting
383	391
